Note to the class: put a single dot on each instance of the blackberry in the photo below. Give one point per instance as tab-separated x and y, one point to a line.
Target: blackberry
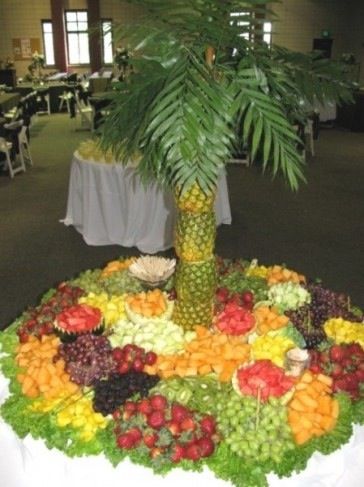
111	393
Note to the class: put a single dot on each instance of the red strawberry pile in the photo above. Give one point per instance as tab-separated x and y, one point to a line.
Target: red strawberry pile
169	431
262	378
131	357
39	320
235	320
80	318
345	364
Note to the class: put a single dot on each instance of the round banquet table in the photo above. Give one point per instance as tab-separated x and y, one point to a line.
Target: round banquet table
29	463
108	204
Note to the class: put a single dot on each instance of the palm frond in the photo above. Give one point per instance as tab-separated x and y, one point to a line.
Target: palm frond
188	132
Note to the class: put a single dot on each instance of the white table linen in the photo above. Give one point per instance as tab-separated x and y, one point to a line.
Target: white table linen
29	463
108	204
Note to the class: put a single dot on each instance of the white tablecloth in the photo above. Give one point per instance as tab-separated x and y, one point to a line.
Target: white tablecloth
28	463
108	204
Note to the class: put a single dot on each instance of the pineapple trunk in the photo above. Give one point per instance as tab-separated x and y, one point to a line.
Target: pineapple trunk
196	269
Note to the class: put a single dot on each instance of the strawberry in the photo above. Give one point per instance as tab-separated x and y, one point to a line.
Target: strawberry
192	452
208	425
178	453
130	406
136	434
337	353
206	446
158	402
359	375
174	428
188	424
155	452
150	439
144	407
116	414
179	412
336	371
315	368
156	419
125	441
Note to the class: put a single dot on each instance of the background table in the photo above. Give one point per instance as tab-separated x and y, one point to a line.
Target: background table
108	204
8	101
29	463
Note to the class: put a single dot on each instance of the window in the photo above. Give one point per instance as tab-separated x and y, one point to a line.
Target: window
107	55
47	31
252	25
77	36
267	33
243	21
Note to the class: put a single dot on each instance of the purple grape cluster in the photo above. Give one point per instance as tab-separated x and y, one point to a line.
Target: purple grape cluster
110	394
310	318
88	359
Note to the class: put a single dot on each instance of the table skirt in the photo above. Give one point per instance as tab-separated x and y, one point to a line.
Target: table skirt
29	463
108	204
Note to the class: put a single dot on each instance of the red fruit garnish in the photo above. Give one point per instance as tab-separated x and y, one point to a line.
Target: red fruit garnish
144	407
337	353
123	367
179	412
235	320
206	446
247	297
156	419
117	354
336	371
178	453
192	452
315	368
116	414
150	358
155	452
222	294
150	439
208	425
262	378
125	441
158	402
138	365
188	424
130	406
135	433
174	428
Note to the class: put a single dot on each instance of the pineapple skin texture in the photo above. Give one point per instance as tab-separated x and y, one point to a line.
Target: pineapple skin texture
196	275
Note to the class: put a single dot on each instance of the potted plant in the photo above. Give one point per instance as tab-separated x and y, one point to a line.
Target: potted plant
199	85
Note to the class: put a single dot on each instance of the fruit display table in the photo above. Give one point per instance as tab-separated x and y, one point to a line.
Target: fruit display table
108	204
99	382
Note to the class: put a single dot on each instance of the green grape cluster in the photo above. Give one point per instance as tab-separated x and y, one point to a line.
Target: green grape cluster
115	284
89	281
255	432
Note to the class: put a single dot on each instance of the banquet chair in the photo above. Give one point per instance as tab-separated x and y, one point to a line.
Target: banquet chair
10	160
43	103
308	132
86	113
65	99
24	149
